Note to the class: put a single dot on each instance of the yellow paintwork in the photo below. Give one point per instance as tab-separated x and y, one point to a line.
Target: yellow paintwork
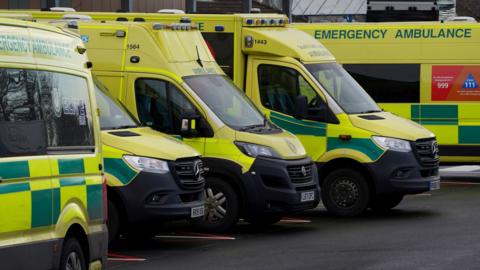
392	126
150	143
41	47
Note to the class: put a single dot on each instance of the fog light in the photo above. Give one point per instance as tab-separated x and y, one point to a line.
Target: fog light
157	198
401	173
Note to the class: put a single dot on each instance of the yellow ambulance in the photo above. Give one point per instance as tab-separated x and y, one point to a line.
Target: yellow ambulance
428	72
151	176
166	77
366	157
52	192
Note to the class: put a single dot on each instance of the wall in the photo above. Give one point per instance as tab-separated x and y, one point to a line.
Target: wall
468	8
106	5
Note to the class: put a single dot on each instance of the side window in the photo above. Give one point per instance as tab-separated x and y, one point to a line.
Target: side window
388	83
280	86
22	129
161	105
66	109
41	111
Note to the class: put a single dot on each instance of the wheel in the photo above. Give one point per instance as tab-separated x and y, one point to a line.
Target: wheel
265	220
222	207
385	202
113	222
72	257
345	193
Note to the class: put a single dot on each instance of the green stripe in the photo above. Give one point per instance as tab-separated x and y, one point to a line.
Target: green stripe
14	187
56	204
94	201
16	169
435	114
297	121
299	127
365	146
72	181
71	166
42	208
118	168
469	134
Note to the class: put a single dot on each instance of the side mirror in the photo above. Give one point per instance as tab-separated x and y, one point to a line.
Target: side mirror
322	113
188	126
301	107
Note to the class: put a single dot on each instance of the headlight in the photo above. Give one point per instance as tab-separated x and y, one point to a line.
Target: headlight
255	150
393	144
145	164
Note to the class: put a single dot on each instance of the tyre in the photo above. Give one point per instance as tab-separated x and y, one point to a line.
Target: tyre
345	193
222	207
385	202
72	257
113	222
265	220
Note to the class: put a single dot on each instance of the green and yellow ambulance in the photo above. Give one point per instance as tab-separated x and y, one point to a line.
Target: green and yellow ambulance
151	176
427	72
52	191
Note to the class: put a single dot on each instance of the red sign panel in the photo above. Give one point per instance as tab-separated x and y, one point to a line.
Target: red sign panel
455	83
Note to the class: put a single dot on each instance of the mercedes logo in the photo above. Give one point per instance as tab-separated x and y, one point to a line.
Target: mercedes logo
304	171
197	170
435	150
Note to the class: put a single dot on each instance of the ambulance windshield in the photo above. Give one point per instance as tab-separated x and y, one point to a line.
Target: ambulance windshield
228	103
112	113
343	88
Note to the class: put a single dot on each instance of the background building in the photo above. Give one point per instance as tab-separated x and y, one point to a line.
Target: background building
96	5
306	10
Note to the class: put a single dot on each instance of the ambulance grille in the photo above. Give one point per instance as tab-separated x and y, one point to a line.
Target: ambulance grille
427	152
300	174
190	173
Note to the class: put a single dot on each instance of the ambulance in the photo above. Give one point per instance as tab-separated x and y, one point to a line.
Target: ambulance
52	190
151	177
166	77
426	72
366	157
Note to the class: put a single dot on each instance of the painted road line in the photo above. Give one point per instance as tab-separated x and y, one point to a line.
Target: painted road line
124	258
294	220
459	183
461	169
195	236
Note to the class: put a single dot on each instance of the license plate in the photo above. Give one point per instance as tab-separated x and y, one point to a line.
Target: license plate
197	211
307	196
434	185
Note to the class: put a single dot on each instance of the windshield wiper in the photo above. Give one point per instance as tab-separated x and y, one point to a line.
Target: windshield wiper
370	111
124	127
251	127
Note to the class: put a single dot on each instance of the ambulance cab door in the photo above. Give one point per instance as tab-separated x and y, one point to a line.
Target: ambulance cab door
277	87
160	103
25	177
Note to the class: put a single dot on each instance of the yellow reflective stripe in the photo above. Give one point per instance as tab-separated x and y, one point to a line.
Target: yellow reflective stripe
39	167
16	211
92	165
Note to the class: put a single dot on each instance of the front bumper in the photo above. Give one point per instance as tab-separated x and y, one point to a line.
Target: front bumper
397	172
171	202
270	189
